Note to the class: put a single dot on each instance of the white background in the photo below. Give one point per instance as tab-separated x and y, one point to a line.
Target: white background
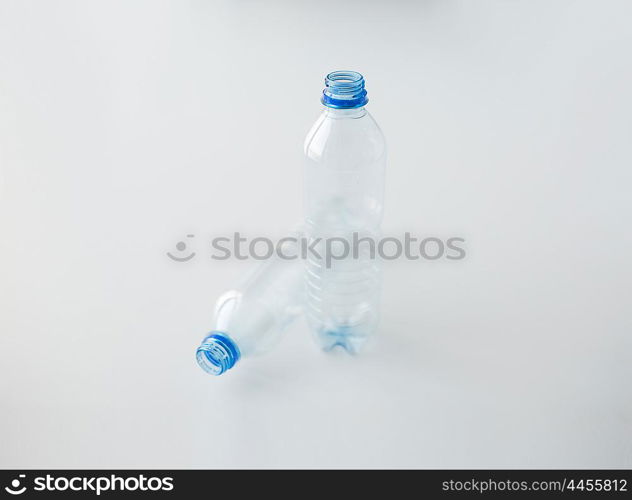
126	125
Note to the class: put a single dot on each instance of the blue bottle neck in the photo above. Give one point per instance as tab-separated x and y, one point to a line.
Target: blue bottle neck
344	90
217	353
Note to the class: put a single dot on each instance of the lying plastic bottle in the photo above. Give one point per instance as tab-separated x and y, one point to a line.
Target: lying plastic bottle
250	318
344	190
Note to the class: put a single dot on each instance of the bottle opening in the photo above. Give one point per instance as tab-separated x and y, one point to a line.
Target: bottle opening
344	90
217	353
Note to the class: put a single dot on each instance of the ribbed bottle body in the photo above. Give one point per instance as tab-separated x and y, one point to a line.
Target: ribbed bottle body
345	159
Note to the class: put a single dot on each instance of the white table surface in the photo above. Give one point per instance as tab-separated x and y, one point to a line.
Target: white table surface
126	125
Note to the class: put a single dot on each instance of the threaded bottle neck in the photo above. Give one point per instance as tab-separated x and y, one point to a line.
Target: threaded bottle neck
217	353
344	90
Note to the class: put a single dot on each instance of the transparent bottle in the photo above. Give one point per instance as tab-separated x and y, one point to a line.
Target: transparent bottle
345	160
250	318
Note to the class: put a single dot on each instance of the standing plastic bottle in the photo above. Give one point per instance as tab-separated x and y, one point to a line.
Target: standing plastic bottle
344	190
250	318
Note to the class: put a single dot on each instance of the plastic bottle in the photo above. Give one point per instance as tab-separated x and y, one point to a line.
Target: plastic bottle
250	318
345	162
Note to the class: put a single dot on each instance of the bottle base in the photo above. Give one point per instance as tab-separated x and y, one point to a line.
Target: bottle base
343	337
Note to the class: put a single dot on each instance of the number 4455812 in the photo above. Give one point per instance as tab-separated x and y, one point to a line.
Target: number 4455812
597	485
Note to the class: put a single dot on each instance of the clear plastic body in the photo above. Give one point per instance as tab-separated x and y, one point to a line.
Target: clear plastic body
345	160
250	318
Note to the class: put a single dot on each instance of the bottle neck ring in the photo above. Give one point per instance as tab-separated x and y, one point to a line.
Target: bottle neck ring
344	90
217	353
